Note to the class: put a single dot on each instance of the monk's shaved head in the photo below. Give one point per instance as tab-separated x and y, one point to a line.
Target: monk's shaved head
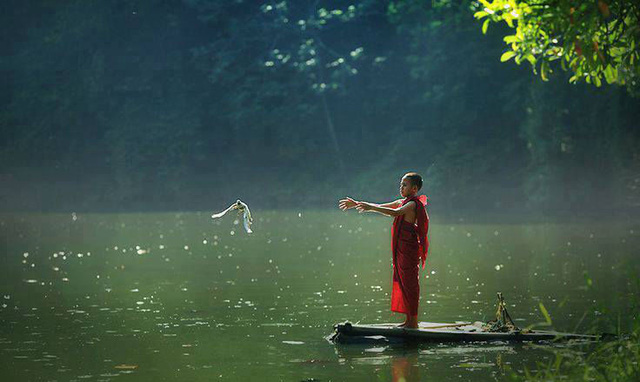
414	178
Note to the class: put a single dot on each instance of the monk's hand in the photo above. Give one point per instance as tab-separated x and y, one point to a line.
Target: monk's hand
347	203
363	206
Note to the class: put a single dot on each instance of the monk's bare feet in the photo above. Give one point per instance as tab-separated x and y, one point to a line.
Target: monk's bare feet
411	322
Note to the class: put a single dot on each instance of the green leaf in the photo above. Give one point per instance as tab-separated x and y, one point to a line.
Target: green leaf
597	81
614	74
609	75
480	14
546	315
573	62
531	58
511	39
508	19
558	362
485	26
544	70
506	56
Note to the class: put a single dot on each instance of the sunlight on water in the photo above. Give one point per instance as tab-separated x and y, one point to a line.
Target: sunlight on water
96	297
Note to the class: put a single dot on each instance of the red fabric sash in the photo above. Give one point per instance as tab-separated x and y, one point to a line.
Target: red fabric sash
421	226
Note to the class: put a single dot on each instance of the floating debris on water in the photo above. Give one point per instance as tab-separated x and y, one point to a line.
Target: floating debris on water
125	367
474	365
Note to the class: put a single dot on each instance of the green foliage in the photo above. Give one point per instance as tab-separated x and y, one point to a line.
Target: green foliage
597	41
306	46
608	360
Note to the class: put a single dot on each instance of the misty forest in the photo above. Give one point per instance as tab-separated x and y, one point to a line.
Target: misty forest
168	105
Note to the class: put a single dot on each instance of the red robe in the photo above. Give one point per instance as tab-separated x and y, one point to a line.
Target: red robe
409	246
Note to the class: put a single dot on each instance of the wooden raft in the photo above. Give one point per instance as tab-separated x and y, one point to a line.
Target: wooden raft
442	332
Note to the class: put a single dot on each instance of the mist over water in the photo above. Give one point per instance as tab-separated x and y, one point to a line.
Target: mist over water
101	296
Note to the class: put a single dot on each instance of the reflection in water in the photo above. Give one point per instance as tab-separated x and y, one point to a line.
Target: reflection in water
398	361
416	362
405	368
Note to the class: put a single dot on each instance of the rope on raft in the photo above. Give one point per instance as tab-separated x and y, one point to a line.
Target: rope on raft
503	322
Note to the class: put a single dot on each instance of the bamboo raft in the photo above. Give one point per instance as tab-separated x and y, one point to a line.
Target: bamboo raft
443	332
500	329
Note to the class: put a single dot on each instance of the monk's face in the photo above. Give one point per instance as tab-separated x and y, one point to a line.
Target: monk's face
406	188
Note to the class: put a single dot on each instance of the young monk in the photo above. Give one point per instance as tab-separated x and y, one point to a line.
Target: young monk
409	243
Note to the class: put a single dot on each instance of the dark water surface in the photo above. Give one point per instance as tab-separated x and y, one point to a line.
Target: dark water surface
180	297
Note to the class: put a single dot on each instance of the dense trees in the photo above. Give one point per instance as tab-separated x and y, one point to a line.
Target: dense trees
167	104
596	40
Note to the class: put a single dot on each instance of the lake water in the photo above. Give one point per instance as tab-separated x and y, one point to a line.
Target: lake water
177	296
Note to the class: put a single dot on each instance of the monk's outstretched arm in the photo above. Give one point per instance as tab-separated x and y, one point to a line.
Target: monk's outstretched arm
348	203
393	212
394	204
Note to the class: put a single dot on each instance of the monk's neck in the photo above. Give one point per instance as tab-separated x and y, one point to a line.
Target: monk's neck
411	196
